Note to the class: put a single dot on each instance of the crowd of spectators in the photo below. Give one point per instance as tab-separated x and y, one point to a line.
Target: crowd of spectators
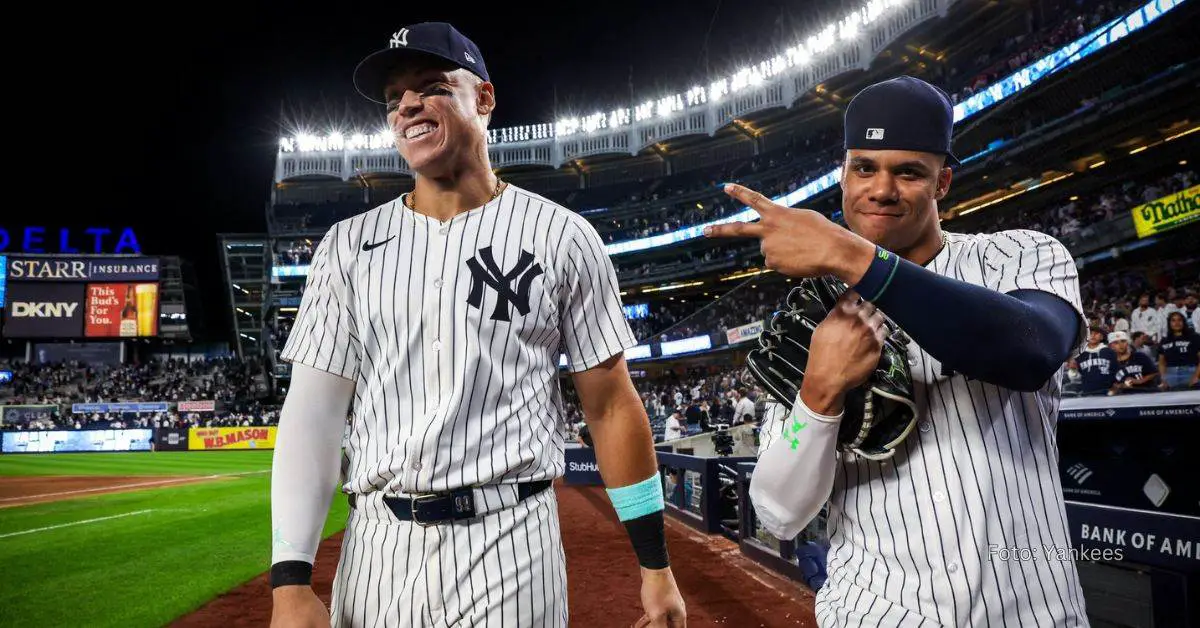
236	386
1077	217
683	403
659	205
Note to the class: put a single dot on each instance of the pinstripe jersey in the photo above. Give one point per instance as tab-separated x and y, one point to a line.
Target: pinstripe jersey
452	333
927	537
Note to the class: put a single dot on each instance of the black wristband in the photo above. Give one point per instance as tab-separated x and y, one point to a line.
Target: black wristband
290	572
649	540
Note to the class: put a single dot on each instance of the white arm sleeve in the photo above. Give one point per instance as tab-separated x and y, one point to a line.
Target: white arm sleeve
307	461
794	474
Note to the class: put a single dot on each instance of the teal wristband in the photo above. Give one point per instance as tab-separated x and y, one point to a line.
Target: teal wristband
637	500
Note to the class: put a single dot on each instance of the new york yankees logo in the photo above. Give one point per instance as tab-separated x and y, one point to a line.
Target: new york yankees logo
484	271
399	38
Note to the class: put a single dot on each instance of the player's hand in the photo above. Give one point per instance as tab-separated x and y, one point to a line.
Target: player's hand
297	606
661	600
798	242
843	353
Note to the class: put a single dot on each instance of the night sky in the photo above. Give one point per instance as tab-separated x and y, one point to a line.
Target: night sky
174	119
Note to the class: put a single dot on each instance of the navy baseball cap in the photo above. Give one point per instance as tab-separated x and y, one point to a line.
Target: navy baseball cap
427	39
903	113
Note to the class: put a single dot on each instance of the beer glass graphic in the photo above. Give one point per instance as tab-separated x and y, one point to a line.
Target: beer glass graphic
147	298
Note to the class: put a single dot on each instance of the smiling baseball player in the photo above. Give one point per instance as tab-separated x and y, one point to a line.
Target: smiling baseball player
916	540
443	314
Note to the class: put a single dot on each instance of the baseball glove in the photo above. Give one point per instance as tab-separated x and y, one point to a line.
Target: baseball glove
879	414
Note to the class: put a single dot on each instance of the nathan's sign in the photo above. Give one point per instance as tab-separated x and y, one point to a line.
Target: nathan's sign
1169	212
204	438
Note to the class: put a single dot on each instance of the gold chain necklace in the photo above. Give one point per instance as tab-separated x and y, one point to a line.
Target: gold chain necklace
410	199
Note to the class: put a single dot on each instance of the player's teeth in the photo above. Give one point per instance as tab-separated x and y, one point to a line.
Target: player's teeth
418	130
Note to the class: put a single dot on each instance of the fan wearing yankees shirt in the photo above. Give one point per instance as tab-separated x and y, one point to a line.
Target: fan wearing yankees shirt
440	317
914	540
1179	354
1133	370
1096	365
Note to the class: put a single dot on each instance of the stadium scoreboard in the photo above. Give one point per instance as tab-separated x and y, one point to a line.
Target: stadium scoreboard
72	297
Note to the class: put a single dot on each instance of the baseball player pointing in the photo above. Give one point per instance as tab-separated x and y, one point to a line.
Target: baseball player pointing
918	539
439	318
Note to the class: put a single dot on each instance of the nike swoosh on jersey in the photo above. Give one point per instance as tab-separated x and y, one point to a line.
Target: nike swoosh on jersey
367	246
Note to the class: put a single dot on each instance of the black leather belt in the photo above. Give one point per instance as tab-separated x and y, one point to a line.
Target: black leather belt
435	508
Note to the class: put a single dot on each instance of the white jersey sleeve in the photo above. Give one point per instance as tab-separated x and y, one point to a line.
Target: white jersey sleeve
1020	259
325	334
593	324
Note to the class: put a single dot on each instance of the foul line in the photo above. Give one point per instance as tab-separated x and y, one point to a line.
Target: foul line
75	523
134	485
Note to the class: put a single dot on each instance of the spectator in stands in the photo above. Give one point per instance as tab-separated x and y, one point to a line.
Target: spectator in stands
1094	366
1141	344
1179	354
743	411
1145	318
674	427
1134	372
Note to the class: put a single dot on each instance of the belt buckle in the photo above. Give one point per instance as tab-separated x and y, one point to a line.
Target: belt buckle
419	499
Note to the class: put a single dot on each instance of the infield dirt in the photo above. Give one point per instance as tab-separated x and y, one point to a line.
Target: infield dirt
720	586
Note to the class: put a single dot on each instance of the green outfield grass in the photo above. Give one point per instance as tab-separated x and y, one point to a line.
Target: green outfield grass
141	558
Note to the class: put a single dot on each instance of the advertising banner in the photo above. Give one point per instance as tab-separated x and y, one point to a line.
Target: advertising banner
196	406
171	439
44	310
1166	213
82	269
1105	533
745	332
134	407
87	352
207	438
76	440
23	414
581	467
3	277
121	310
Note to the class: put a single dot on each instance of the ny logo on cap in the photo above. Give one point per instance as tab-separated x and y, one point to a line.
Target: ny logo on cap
468	56
874	134
399	38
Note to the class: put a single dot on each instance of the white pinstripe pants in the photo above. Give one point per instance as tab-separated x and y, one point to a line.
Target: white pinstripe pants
504	569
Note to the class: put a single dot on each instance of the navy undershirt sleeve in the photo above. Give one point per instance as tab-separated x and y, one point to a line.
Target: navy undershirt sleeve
1015	340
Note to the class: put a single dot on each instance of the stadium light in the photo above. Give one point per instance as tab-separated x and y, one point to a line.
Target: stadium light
798	55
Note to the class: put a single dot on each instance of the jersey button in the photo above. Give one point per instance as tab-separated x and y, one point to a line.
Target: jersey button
952	567
437	345
437	283
443	231
923	426
939	497
416	465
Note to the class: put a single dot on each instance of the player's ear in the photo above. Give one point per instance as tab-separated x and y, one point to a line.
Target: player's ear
485	102
943	183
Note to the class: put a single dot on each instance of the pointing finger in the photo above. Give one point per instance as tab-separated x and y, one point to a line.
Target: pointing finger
734	230
759	202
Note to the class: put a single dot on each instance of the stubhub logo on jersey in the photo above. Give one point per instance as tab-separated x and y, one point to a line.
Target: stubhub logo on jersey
44	310
581	467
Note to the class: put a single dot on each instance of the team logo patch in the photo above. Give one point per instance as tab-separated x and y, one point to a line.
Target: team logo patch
468	56
874	134
399	38
485	272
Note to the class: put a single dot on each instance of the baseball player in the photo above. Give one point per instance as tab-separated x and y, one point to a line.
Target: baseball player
917	540
443	315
